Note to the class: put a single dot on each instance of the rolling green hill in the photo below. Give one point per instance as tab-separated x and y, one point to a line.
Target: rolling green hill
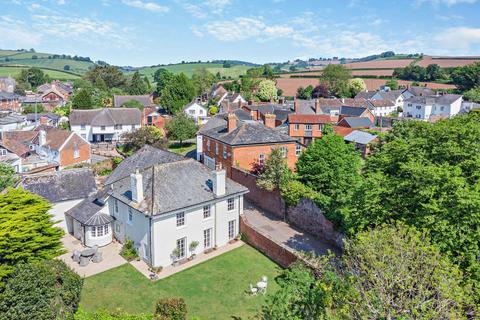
54	74
188	68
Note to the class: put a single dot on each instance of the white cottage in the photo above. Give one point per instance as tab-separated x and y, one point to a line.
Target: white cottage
197	111
432	107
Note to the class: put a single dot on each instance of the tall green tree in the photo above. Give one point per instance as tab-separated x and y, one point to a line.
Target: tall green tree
177	93
83	99
111	75
7	176
275	171
356	86
41	290
267	90
137	85
150	135
336	77
428	176
162	77
32	77
472	95
332	168
27	233
467	77
181	128
203	80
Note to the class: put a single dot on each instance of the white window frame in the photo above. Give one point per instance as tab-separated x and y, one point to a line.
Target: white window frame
283	151
308	127
207	238
3	152
298	150
231	229
180	219
102	128
231	204
296	127
76	153
82	127
182	244
207	211
261	158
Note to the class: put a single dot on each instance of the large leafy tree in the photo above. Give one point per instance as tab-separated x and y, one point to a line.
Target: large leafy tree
42	290
177	93
181	127
83	99
356	85
275	172
390	272
27	232
336	77
162	77
467	77
7	176
473	95
137	85
427	175
32	77
203	80
150	135
267	90
112	76
332	168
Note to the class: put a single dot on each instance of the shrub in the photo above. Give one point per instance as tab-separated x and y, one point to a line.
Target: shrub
129	252
110	315
294	190
171	309
41	290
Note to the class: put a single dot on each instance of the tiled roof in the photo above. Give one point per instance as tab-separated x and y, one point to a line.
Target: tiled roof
174	186
61	185
18	141
381	103
357	122
106	116
309	118
55	137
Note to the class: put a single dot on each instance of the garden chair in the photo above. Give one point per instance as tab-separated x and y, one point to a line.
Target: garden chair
253	290
97	257
76	255
84	261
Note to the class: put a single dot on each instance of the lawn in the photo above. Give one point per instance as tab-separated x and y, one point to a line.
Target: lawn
215	289
182	149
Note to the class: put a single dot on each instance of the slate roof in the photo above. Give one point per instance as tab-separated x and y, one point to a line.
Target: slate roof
61	185
247	133
391	95
381	103
421	91
145	100
445	99
33	117
365	95
88	211
352	111
9	96
8	118
220	120
173	186
106	116
309	118
328	105
357	122
146	157
31	99
361	137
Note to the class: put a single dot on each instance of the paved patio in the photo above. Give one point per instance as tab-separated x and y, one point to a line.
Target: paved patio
110	253
142	267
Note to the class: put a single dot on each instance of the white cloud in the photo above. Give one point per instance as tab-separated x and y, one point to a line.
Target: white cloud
217	6
459	38
194	10
446	2
234	30
150	6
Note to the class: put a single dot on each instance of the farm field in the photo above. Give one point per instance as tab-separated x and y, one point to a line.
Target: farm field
57	75
369	72
446	62
380	64
78	67
189	68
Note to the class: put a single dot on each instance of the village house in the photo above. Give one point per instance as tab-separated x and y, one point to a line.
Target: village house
231	142
145	100
11	121
63	189
433	107
105	124
17	148
197	111
356	122
307	127
230	99
10	102
49	119
363	141
154	116
382	107
356	112
162	202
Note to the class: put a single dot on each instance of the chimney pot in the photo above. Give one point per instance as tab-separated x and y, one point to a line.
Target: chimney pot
295	106
317	106
231	122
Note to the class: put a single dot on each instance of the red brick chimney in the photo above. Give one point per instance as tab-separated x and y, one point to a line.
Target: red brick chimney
231	122
270	120
317	106
227	106
295	106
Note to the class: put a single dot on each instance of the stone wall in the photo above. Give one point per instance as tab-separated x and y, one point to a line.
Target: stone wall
270	201
278	253
308	217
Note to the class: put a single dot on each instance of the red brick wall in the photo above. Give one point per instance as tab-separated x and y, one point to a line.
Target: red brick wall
270	201
281	255
66	154
10	105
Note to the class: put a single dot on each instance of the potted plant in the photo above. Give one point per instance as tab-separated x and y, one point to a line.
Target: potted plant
192	247
176	254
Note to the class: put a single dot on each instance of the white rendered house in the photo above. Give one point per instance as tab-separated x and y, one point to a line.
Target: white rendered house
426	107
197	111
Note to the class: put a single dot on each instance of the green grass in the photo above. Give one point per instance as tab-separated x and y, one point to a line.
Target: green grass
79	67
54	74
215	289
182	149
189	68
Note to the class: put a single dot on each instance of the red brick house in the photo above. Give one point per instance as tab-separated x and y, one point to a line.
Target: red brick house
307	127
151	117
245	144
10	101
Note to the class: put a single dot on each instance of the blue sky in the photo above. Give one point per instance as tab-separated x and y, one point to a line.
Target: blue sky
148	32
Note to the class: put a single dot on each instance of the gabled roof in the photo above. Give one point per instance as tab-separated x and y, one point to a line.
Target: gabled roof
381	103
55	137
61	185
10	118
361	137
352	111
220	120
420	91
365	95
391	95
247	133
17	141
34	117
147	156
357	122
445	99
173	186
9	96
195	103
106	116
309	118
145	100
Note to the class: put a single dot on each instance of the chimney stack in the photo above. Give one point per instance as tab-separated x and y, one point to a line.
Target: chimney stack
295	105
227	105
136	185
317	106
42	137
231	122
239	103
270	120
218	181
